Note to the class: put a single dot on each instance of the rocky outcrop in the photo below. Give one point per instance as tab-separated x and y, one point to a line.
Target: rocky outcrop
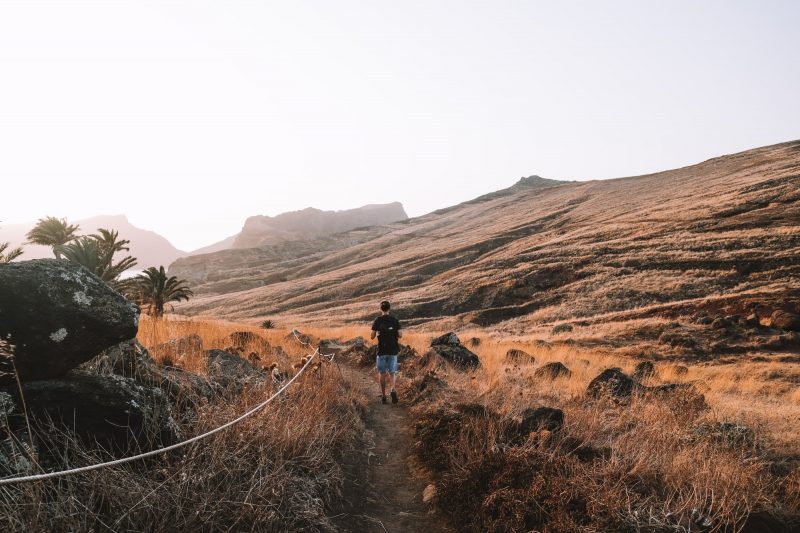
644	370
113	411
59	315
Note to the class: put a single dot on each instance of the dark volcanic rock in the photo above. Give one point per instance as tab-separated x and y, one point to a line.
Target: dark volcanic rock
448	339
459	356
59	315
785	320
519	356
231	371
611	381
474	342
114	411
547	418
562	328
552	371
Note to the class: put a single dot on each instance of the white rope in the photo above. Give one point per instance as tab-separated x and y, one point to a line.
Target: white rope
48	475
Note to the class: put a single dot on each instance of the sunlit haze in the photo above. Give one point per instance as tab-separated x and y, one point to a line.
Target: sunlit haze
191	116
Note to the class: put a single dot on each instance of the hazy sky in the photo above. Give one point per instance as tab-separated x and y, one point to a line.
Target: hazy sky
190	116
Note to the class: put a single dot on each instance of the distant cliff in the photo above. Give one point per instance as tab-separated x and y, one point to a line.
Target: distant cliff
311	223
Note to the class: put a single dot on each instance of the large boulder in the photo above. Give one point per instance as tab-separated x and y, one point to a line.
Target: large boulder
644	370
59	315
114	411
785	320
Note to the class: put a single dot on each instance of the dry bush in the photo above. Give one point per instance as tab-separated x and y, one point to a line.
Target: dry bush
277	470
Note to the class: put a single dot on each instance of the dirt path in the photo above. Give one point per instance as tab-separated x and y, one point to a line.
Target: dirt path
383	492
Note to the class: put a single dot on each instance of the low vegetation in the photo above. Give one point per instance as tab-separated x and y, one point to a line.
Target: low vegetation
278	470
722	461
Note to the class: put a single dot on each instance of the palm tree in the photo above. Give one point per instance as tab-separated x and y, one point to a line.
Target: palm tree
154	289
7	257
54	232
96	254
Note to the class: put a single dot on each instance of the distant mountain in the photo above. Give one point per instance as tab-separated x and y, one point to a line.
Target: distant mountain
216	247
150	248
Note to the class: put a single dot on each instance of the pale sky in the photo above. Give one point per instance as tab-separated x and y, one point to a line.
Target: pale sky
190	116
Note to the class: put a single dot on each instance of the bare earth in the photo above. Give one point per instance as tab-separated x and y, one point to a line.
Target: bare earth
383	489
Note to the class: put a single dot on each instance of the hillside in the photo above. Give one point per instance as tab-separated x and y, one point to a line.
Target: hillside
720	235
150	248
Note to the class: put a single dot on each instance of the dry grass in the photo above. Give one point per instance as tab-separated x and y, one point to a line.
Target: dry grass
654	469
278	470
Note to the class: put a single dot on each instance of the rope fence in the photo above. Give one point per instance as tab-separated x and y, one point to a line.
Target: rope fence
152	453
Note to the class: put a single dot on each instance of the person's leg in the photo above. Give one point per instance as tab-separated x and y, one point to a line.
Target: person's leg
381	364
393	373
383	383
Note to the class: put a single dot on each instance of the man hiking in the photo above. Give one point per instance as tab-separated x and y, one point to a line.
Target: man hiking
387	328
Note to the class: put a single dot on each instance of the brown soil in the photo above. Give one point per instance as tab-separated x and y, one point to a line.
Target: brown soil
383	487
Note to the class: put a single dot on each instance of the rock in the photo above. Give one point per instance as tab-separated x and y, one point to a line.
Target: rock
458	356
726	433
721	323
542	344
60	315
429	493
683	395
552	371
680	370
17	456
785	320
547	418
519	356
131	359
611	381
114	411
298	337
230	371
704	320
448	339
677	339
249	340
561	328
474	342
175	349
644	370
752	321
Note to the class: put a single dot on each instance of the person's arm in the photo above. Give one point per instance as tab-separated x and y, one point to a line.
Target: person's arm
374	330
372	335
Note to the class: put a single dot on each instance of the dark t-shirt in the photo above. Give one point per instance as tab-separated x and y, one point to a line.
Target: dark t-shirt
387	327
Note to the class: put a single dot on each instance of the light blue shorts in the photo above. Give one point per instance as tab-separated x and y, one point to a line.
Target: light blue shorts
387	363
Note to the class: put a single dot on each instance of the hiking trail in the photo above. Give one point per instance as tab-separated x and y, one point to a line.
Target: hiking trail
383	492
